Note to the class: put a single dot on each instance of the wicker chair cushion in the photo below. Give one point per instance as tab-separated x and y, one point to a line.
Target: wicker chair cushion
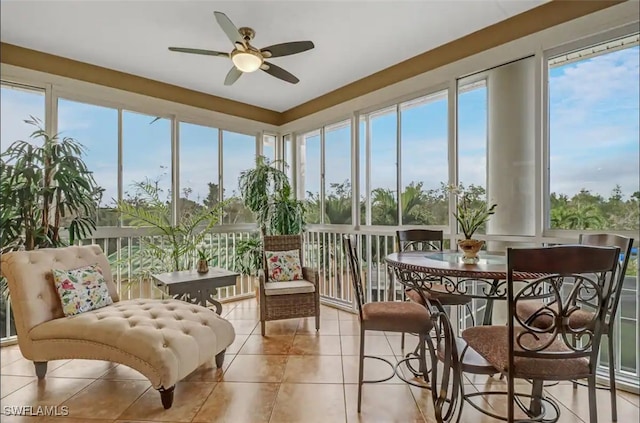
288	287
396	317
283	265
491	342
443	297
544	319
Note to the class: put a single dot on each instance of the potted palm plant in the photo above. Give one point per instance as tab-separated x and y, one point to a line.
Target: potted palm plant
266	192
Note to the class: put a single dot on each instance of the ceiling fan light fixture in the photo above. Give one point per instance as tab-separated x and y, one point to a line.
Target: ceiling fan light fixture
247	61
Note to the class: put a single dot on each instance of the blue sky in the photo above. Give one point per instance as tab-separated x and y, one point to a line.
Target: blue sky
594	133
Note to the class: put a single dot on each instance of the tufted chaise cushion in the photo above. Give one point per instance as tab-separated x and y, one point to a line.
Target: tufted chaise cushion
172	336
165	340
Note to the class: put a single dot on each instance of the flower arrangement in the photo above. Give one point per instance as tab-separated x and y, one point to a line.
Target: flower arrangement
471	211
203	254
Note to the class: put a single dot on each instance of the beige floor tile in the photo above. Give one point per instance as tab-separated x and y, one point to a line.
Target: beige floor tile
188	398
352	327
278	327
237	343
236	402
344	315
307	326
24	367
328	313
9	354
243	314
424	400
244	327
373	345
374	369
309	403
269	345
10	384
122	372
106	399
313	369
628	396
577	400
316	345
208	372
382	403
21	419
82	369
48	391
256	368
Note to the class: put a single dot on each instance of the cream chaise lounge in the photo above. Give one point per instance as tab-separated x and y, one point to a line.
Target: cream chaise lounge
165	340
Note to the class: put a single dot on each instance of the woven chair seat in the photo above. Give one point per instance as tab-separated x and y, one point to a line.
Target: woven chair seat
393	316
444	297
492	343
544	318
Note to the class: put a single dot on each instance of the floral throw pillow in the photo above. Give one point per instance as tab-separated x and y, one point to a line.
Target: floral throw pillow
82	289
283	265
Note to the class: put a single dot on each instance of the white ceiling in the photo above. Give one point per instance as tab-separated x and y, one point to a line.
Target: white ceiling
353	39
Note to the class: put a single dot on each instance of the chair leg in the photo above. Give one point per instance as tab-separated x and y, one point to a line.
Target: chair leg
510	398
360	370
402	341
317	322
220	359
535	408
262	327
423	358
593	407
41	368
166	396
612	380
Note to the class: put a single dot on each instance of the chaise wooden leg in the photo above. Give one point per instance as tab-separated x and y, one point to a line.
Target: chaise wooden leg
166	396
41	368
262	328
220	359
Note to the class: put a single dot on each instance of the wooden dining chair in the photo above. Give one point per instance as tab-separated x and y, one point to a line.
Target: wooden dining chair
388	316
427	240
524	350
535	311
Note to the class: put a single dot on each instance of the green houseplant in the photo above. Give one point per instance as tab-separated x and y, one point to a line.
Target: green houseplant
266	191
182	238
471	213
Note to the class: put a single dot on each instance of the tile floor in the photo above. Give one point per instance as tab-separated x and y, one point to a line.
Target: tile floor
292	375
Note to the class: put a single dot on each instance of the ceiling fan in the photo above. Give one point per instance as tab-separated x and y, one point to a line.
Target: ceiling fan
247	58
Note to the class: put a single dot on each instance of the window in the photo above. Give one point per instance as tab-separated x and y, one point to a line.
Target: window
424	164
288	158
199	179
310	153
269	146
383	170
594	138
337	200
96	128
146	154
238	154
17	104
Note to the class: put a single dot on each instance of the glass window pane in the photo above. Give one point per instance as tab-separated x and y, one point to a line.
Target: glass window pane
269	147
337	141
17	105
199	184
383	173
594	140
146	154
425	166
238	154
288	157
362	151
310	174
96	128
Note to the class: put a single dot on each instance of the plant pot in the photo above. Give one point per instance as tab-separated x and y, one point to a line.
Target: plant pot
203	266
470	248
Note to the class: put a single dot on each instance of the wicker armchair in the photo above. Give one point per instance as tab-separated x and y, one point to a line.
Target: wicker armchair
292	302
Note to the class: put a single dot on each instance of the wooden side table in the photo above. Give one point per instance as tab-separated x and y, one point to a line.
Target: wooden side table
197	288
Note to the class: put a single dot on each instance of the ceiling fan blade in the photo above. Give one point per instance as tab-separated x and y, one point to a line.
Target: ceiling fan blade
278	72
229	28
232	76
199	51
285	49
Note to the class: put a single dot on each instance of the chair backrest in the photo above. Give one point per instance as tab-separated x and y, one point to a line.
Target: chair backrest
625	244
419	240
34	299
350	244
282	243
589	270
